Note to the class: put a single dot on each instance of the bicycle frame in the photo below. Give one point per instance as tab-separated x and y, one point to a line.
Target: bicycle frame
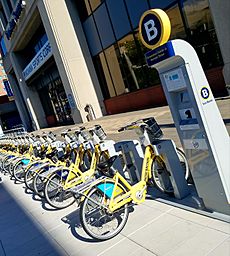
76	176
120	192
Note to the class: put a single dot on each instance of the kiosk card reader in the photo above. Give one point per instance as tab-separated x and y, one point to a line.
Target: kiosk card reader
195	113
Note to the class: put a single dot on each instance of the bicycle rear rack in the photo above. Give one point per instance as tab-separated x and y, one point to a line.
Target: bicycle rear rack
83	187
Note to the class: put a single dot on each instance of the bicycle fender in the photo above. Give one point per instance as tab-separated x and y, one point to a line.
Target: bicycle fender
25	161
108	188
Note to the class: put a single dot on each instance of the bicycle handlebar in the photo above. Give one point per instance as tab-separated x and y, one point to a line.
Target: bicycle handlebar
134	125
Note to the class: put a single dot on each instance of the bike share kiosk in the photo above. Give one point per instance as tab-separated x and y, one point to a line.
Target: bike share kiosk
199	124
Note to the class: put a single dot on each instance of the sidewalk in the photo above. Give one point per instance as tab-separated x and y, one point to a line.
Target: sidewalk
29	227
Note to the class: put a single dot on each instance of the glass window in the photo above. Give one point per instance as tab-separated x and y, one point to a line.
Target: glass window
161	4
178	29
83	9
112	58
130	62
3	47
137	74
104	26
109	81
95	3
136	8
119	17
103	74
43	39
92	36
202	34
8	3
197	14
3	18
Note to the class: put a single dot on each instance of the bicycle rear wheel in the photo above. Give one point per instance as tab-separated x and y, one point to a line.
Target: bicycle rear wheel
55	194
19	171
97	221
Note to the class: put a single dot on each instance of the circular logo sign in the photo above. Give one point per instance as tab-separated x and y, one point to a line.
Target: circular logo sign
205	93
154	28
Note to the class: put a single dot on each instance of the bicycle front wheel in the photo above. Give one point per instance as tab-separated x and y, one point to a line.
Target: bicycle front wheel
39	182
29	177
161	176
97	221
55	194
184	164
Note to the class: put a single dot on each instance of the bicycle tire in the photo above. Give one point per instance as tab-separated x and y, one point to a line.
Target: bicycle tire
98	215
39	182
184	164
19	172
6	165
159	167
54	192
28	179
86	160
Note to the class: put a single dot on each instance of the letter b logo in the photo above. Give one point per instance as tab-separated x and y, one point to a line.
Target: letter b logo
151	30
154	28
205	93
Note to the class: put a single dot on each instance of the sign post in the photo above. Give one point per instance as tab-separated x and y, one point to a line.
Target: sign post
199	124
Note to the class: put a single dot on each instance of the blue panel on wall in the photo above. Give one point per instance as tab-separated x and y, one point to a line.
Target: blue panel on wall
160	4
104	26
92	36
136	8
119	17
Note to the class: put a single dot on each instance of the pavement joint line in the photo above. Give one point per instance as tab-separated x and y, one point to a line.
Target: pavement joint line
203	225
183	242
218	245
128	236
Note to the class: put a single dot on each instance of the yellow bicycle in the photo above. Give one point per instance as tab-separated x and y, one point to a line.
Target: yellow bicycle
105	208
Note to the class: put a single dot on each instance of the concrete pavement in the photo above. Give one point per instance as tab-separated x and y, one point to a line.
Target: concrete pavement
29	227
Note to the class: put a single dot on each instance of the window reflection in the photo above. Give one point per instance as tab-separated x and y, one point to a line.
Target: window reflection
136	73
122	67
108	79
178	29
112	57
87	7
128	61
197	14
95	3
201	31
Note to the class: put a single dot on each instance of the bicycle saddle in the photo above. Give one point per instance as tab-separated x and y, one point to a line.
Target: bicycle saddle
106	167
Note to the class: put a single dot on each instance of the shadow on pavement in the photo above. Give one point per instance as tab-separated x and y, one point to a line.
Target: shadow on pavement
73	220
19	234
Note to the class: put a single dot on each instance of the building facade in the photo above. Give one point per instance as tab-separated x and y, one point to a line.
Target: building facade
71	60
9	116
